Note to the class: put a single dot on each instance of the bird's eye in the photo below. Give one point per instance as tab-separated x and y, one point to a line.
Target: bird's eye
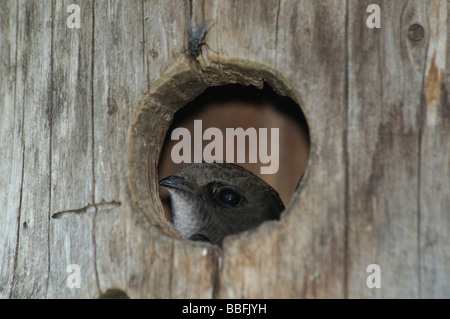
228	197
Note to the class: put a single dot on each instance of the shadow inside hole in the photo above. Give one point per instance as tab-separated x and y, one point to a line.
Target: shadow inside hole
114	294
233	106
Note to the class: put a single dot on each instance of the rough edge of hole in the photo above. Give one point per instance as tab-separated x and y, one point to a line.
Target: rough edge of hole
170	92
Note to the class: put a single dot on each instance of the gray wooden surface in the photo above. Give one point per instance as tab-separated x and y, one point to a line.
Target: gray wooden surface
77	103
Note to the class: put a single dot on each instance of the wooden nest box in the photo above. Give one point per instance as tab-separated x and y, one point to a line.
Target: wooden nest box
86	106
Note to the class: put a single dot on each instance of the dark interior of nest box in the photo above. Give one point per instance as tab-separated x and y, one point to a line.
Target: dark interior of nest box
233	106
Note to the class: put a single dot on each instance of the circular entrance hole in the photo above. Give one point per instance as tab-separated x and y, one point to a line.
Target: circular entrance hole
235	106
238	94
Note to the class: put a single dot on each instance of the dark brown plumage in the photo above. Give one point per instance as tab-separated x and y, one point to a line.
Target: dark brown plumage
213	200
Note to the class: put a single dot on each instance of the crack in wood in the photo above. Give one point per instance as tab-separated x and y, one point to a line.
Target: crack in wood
90	208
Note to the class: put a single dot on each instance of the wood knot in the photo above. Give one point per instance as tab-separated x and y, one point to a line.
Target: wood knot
416	32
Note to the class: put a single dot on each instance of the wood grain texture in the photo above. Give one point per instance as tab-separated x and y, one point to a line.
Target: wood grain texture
76	104
72	181
307	245
434	207
386	164
383	142
33	98
120	79
11	145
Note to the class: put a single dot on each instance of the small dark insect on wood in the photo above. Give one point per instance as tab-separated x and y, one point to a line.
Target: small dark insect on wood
197	36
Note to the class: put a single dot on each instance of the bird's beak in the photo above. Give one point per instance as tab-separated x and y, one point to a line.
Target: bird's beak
176	182
200	237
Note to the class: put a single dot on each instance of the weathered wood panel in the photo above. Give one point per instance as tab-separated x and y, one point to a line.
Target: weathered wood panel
11	145
385	81
33	99
434	175
302	256
130	255
120	77
72	225
387	155
377	185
